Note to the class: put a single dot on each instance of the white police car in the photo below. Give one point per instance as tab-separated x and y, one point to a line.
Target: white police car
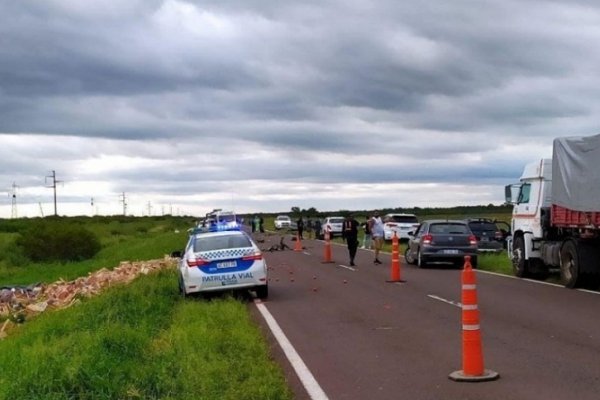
220	258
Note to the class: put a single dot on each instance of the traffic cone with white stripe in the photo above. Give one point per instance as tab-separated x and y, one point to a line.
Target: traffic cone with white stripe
327	256
395	268
473	370
298	245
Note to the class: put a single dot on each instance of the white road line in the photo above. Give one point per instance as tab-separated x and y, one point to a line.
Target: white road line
307	253
306	377
453	303
347	267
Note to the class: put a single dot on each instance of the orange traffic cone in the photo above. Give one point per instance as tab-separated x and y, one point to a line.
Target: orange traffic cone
395	268
473	370
327	256
298	245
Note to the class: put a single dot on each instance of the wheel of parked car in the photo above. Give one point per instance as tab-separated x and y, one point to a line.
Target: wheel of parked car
262	292
421	263
181	289
408	257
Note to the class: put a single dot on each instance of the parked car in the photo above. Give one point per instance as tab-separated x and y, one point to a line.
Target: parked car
441	241
332	224
283	222
490	238
399	223
218	258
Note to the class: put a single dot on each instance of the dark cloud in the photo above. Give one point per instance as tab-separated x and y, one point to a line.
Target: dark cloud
188	96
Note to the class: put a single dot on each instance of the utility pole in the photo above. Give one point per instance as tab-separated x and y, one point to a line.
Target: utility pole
123	200
53	186
41	209
149	209
13	195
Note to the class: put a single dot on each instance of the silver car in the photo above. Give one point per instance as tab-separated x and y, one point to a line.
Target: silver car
441	241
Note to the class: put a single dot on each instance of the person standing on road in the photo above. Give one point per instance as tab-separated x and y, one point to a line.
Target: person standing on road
317	228
261	224
350	235
376	226
300	225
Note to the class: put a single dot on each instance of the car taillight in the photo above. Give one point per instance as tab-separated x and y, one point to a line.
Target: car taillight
498	235
427	239
255	256
472	240
196	262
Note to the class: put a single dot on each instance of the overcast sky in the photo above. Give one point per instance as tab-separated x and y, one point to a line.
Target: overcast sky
263	105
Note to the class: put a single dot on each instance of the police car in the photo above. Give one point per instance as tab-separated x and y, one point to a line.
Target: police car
222	257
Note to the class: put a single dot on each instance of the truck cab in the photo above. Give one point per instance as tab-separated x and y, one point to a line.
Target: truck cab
531	198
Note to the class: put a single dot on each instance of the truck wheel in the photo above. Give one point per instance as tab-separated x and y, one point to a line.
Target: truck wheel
569	265
421	263
408	257
519	262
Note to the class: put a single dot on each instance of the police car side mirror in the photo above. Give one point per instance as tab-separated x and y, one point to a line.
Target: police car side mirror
176	254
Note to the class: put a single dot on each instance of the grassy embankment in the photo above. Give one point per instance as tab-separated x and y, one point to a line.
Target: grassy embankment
136	341
122	239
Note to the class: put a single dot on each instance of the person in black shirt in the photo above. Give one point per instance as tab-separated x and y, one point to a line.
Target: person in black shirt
317	228
300	224
350	235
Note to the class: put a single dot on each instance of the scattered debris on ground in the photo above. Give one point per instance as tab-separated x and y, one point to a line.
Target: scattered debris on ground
18	303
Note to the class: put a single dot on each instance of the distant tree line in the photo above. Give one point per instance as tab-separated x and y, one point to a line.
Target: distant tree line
296	212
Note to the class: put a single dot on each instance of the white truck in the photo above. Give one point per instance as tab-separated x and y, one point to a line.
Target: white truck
556	214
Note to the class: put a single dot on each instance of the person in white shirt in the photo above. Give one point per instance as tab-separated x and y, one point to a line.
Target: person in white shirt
376	225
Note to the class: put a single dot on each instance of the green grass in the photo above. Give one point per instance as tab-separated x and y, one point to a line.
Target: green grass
141	341
122	240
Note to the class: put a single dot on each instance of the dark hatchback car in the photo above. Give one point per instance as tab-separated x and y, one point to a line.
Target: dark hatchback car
441	241
490	237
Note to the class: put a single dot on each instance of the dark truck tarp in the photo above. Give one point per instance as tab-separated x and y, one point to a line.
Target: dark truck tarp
576	173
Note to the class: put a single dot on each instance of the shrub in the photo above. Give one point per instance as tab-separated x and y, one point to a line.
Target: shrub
58	241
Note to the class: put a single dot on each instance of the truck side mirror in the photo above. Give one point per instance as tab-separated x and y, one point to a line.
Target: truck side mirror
511	193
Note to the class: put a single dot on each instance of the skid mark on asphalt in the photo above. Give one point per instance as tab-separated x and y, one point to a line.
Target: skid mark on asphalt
306	377
452	303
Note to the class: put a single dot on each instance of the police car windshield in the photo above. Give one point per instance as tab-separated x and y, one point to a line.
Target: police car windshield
209	243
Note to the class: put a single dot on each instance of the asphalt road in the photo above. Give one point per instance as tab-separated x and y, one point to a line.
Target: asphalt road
364	338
